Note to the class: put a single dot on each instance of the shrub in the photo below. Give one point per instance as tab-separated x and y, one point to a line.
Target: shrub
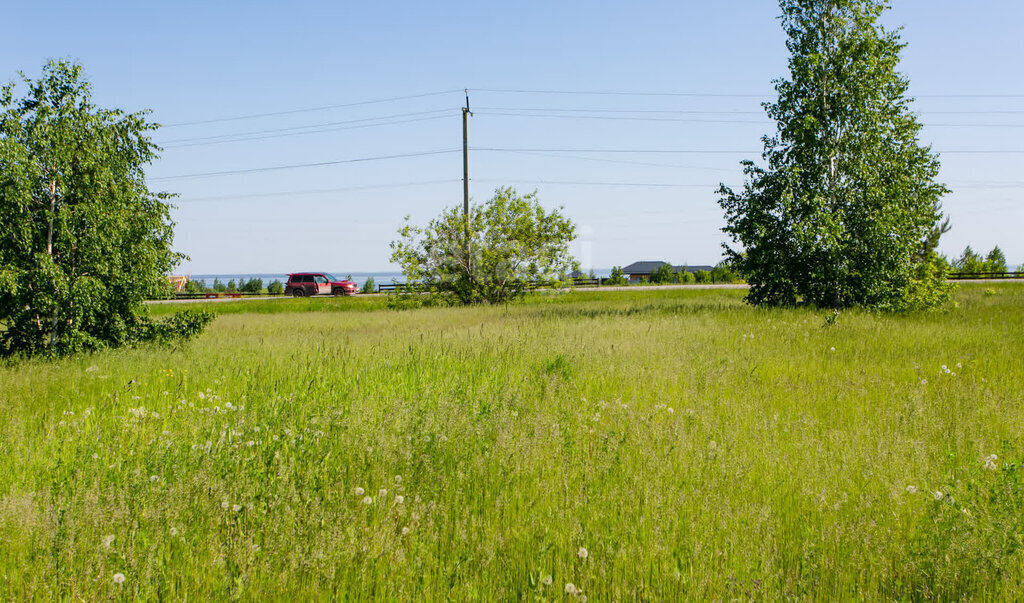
617	277
369	286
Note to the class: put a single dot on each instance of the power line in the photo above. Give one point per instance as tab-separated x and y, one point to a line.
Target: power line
310	126
718	121
626	161
705	94
730	112
588	183
708	151
322	191
309	109
305	165
243	138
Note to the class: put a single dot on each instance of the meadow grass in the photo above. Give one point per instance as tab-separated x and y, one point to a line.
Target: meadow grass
636	445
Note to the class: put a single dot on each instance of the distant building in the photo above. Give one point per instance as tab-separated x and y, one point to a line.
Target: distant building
642	271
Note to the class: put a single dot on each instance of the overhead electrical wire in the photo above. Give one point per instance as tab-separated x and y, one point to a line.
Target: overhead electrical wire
703	94
306	165
309	109
322	191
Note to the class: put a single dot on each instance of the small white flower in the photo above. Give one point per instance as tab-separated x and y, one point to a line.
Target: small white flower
202	396
95	456
570	588
398	479
108	540
153	478
359	491
383	493
405	531
399	499
924	382
547	580
367	500
670	410
911	489
582	553
236	508
119	578
174	531
583	598
958	365
937	494
990	462
225	505
832	349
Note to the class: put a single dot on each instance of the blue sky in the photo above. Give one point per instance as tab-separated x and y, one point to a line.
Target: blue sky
200	61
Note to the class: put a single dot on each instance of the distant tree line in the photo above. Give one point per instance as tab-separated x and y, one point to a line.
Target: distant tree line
252	285
971	261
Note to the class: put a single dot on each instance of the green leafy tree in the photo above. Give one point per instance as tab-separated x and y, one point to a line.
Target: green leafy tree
369	286
513	241
846	208
194	287
995	261
617	277
275	288
83	240
970	261
664	273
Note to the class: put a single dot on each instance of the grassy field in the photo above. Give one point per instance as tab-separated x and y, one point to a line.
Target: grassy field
613	446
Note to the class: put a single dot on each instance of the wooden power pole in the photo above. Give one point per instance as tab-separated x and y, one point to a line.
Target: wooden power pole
465	173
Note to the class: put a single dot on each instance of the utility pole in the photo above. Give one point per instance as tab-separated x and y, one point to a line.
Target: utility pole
465	174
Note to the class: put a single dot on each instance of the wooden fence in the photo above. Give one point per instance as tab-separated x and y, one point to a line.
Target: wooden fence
532	285
962	276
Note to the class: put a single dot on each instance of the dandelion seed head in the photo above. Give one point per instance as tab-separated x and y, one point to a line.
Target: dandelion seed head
570	588
108	540
174	531
367	500
225	505
236	508
911	489
937	494
582	553
547	580
153	478
119	578
399	499
359	491
398	479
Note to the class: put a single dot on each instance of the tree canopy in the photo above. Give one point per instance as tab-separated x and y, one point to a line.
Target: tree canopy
512	241
84	241
846	210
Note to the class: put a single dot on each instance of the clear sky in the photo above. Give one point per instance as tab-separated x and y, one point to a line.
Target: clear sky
687	76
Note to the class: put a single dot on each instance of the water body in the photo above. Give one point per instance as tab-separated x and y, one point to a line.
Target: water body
358	278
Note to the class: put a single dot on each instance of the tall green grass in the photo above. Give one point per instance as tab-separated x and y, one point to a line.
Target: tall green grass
658	445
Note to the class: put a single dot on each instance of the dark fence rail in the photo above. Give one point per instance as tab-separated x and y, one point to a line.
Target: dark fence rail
579	282
961	276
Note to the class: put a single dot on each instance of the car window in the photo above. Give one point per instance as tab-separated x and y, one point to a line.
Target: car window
307	278
321	279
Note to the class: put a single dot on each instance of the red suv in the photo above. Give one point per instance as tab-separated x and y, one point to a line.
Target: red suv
301	284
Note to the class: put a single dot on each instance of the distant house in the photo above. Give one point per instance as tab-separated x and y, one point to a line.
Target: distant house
642	271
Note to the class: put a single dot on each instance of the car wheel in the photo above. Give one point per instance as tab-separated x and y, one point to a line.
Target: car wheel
338	292
298	292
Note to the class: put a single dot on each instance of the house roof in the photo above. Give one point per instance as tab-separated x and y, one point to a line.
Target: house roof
643	267
649	266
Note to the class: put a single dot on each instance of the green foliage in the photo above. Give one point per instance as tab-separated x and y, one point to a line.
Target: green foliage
192	286
972	262
686	277
186	324
219	287
971	534
275	288
369	286
703	276
664	273
724	273
513	241
232	286
847	210
84	241
617	277
252	285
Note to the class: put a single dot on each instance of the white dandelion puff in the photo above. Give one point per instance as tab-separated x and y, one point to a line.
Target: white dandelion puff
236	508
547	580
119	578
570	588
405	531
399	499
359	491
911	489
95	456
153	478
582	553
383	493
832	349
938	494
174	531
398	479
367	500
225	505
990	462
108	540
